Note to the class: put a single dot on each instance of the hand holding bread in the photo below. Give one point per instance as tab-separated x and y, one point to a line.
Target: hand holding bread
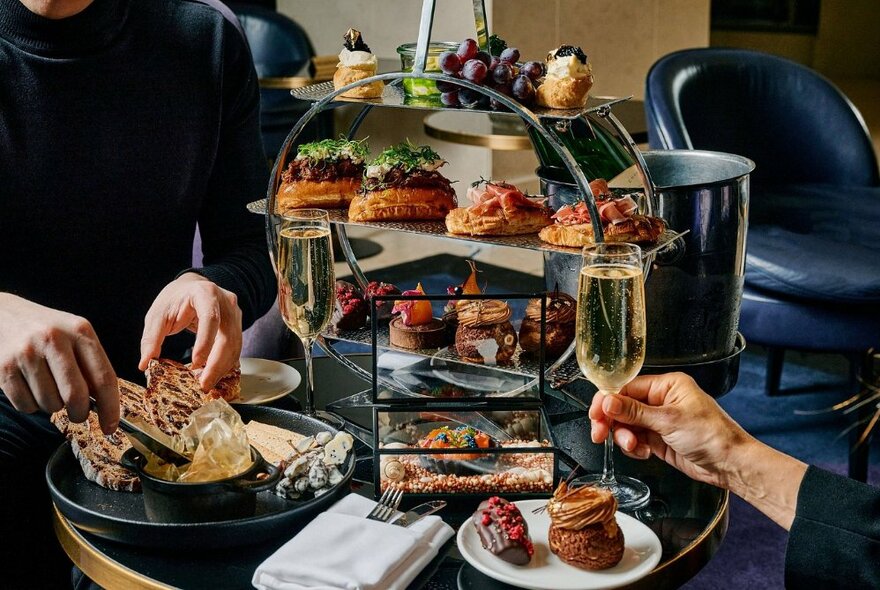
192	302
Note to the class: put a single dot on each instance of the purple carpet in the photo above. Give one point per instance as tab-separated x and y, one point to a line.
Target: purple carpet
752	555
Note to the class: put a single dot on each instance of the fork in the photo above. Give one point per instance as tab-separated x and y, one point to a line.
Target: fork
387	505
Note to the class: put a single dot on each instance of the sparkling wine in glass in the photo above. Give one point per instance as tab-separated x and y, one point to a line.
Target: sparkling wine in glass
610	343
306	282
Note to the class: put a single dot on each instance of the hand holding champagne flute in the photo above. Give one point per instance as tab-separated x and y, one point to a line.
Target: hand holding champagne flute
306	293
610	342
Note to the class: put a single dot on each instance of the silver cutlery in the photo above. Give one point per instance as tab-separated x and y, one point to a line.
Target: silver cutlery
417	513
387	505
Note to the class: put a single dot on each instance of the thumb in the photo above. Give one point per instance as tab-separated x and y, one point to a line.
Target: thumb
629	411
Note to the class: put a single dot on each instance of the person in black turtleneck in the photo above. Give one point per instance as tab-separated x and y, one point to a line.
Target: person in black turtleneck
123	125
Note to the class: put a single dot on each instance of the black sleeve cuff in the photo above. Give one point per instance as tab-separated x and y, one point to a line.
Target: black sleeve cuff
835	538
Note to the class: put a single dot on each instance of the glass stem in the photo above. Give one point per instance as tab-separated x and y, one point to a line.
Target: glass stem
309	403
608	462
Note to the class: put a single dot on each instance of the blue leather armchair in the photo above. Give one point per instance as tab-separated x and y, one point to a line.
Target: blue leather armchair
812	277
281	49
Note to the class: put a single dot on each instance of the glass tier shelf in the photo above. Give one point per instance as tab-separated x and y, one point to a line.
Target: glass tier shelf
438	229
393	96
521	364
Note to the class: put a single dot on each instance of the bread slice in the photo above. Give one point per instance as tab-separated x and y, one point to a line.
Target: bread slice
173	393
275	444
229	386
98	454
131	399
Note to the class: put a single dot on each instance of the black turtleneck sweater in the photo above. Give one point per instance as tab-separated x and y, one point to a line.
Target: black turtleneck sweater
120	129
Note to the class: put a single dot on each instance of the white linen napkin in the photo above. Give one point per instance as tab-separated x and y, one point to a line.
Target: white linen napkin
341	549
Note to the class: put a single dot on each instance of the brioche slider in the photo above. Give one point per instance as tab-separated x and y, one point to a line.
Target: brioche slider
403	184
325	174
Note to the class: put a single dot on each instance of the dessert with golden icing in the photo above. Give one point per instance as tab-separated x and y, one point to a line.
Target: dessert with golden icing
568	80
357	62
416	328
484	334
583	530
561	310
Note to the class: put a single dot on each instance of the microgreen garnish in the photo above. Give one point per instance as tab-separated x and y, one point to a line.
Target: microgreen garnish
406	156
333	149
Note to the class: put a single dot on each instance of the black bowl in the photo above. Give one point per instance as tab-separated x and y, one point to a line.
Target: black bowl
211	501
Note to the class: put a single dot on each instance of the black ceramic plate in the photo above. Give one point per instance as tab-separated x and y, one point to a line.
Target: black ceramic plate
120	516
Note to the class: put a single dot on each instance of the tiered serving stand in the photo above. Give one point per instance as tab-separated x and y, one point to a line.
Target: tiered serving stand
545	123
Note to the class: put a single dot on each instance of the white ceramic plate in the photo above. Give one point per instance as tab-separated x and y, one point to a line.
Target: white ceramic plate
547	572
263	381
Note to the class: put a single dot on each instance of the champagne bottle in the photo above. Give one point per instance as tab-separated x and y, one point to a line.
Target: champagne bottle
595	148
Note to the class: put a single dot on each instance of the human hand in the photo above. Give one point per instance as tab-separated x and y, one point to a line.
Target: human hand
192	302
50	359
671	417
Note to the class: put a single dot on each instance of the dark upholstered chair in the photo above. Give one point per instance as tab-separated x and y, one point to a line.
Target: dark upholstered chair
280	49
812	277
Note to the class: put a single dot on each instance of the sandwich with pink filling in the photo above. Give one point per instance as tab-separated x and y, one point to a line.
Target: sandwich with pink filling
573	225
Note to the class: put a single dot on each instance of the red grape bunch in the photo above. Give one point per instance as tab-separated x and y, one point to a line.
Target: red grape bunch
500	72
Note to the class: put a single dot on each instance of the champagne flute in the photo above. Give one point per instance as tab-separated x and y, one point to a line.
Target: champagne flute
610	344
306	282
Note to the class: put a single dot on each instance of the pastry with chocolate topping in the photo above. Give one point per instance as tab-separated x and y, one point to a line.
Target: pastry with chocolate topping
561	312
350	310
357	62
383	308
484	334
503	531
583	530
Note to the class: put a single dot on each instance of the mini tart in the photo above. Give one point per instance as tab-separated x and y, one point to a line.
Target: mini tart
559	325
421	336
503	531
583	530
484	334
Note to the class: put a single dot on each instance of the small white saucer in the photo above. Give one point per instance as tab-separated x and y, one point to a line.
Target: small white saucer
264	381
547	572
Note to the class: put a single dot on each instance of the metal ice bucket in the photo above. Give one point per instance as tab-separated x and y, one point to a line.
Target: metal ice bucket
694	290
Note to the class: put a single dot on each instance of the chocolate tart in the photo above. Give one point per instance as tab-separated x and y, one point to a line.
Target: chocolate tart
485	334
503	531
561	313
430	335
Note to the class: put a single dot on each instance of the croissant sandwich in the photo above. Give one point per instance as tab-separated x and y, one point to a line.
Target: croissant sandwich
403	184
325	174
499	209
620	222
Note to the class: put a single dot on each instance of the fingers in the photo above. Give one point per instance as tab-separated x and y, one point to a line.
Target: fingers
629	411
37	372
151	341
225	350
101	379
209	316
17	391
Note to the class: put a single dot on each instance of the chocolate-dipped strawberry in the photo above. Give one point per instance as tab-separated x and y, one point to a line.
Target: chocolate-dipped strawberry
503	531
383	308
350	311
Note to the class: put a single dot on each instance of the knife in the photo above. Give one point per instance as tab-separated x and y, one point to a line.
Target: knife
418	513
144	435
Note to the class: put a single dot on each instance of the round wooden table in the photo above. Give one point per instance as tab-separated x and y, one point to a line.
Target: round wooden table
690	518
